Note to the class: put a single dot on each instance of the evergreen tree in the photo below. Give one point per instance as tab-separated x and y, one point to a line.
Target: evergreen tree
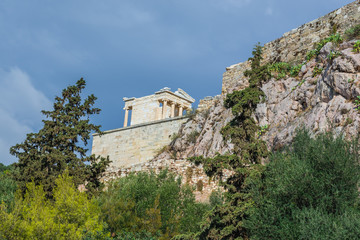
227	221
309	191
7	185
59	145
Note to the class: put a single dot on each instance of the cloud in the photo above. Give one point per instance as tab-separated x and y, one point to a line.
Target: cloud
120	15
20	106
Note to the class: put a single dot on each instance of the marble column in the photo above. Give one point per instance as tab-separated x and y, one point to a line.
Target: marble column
181	110
172	109
164	109
126	117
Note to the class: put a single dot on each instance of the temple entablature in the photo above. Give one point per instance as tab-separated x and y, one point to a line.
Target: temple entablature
161	105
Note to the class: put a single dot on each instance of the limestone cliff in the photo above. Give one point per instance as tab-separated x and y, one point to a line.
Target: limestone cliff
320	98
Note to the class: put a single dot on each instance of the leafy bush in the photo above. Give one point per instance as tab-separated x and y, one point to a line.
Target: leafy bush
4	168
68	216
352	33
294	71
356	47
279	70
147	202
7	185
335	38
317	70
333	54
309	191
216	198
357	103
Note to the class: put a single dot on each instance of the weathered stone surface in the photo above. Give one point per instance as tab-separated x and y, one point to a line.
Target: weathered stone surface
320	103
294	45
135	144
326	106
208	125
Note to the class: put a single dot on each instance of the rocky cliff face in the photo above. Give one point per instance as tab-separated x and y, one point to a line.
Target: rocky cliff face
324	102
294	45
320	98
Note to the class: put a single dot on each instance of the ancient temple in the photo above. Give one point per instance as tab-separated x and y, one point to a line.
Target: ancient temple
161	105
153	121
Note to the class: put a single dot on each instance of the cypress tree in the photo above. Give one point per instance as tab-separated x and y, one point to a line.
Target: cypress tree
60	144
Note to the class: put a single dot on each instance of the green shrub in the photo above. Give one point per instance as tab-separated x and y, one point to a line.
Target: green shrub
216	198
262	130
333	54
309	191
279	70
7	186
317	71
335	38
68	216
352	33
151	203
357	103
356	47
294	71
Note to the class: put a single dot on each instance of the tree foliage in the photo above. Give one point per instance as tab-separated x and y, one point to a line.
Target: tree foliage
309	191
241	131
227	221
7	185
67	216
59	145
156	204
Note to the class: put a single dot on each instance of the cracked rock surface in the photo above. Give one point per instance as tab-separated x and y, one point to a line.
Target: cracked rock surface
317	100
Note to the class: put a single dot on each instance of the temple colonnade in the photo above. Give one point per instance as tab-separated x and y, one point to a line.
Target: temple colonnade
176	110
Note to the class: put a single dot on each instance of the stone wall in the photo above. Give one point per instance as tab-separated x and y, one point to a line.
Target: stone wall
135	144
206	103
189	173
293	45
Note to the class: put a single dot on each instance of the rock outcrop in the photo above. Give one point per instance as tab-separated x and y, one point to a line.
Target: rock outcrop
321	98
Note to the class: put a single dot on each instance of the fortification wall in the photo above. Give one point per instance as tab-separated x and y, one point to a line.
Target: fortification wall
190	174
293	45
135	144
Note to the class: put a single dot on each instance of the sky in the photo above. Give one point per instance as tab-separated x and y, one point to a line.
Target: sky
127	48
